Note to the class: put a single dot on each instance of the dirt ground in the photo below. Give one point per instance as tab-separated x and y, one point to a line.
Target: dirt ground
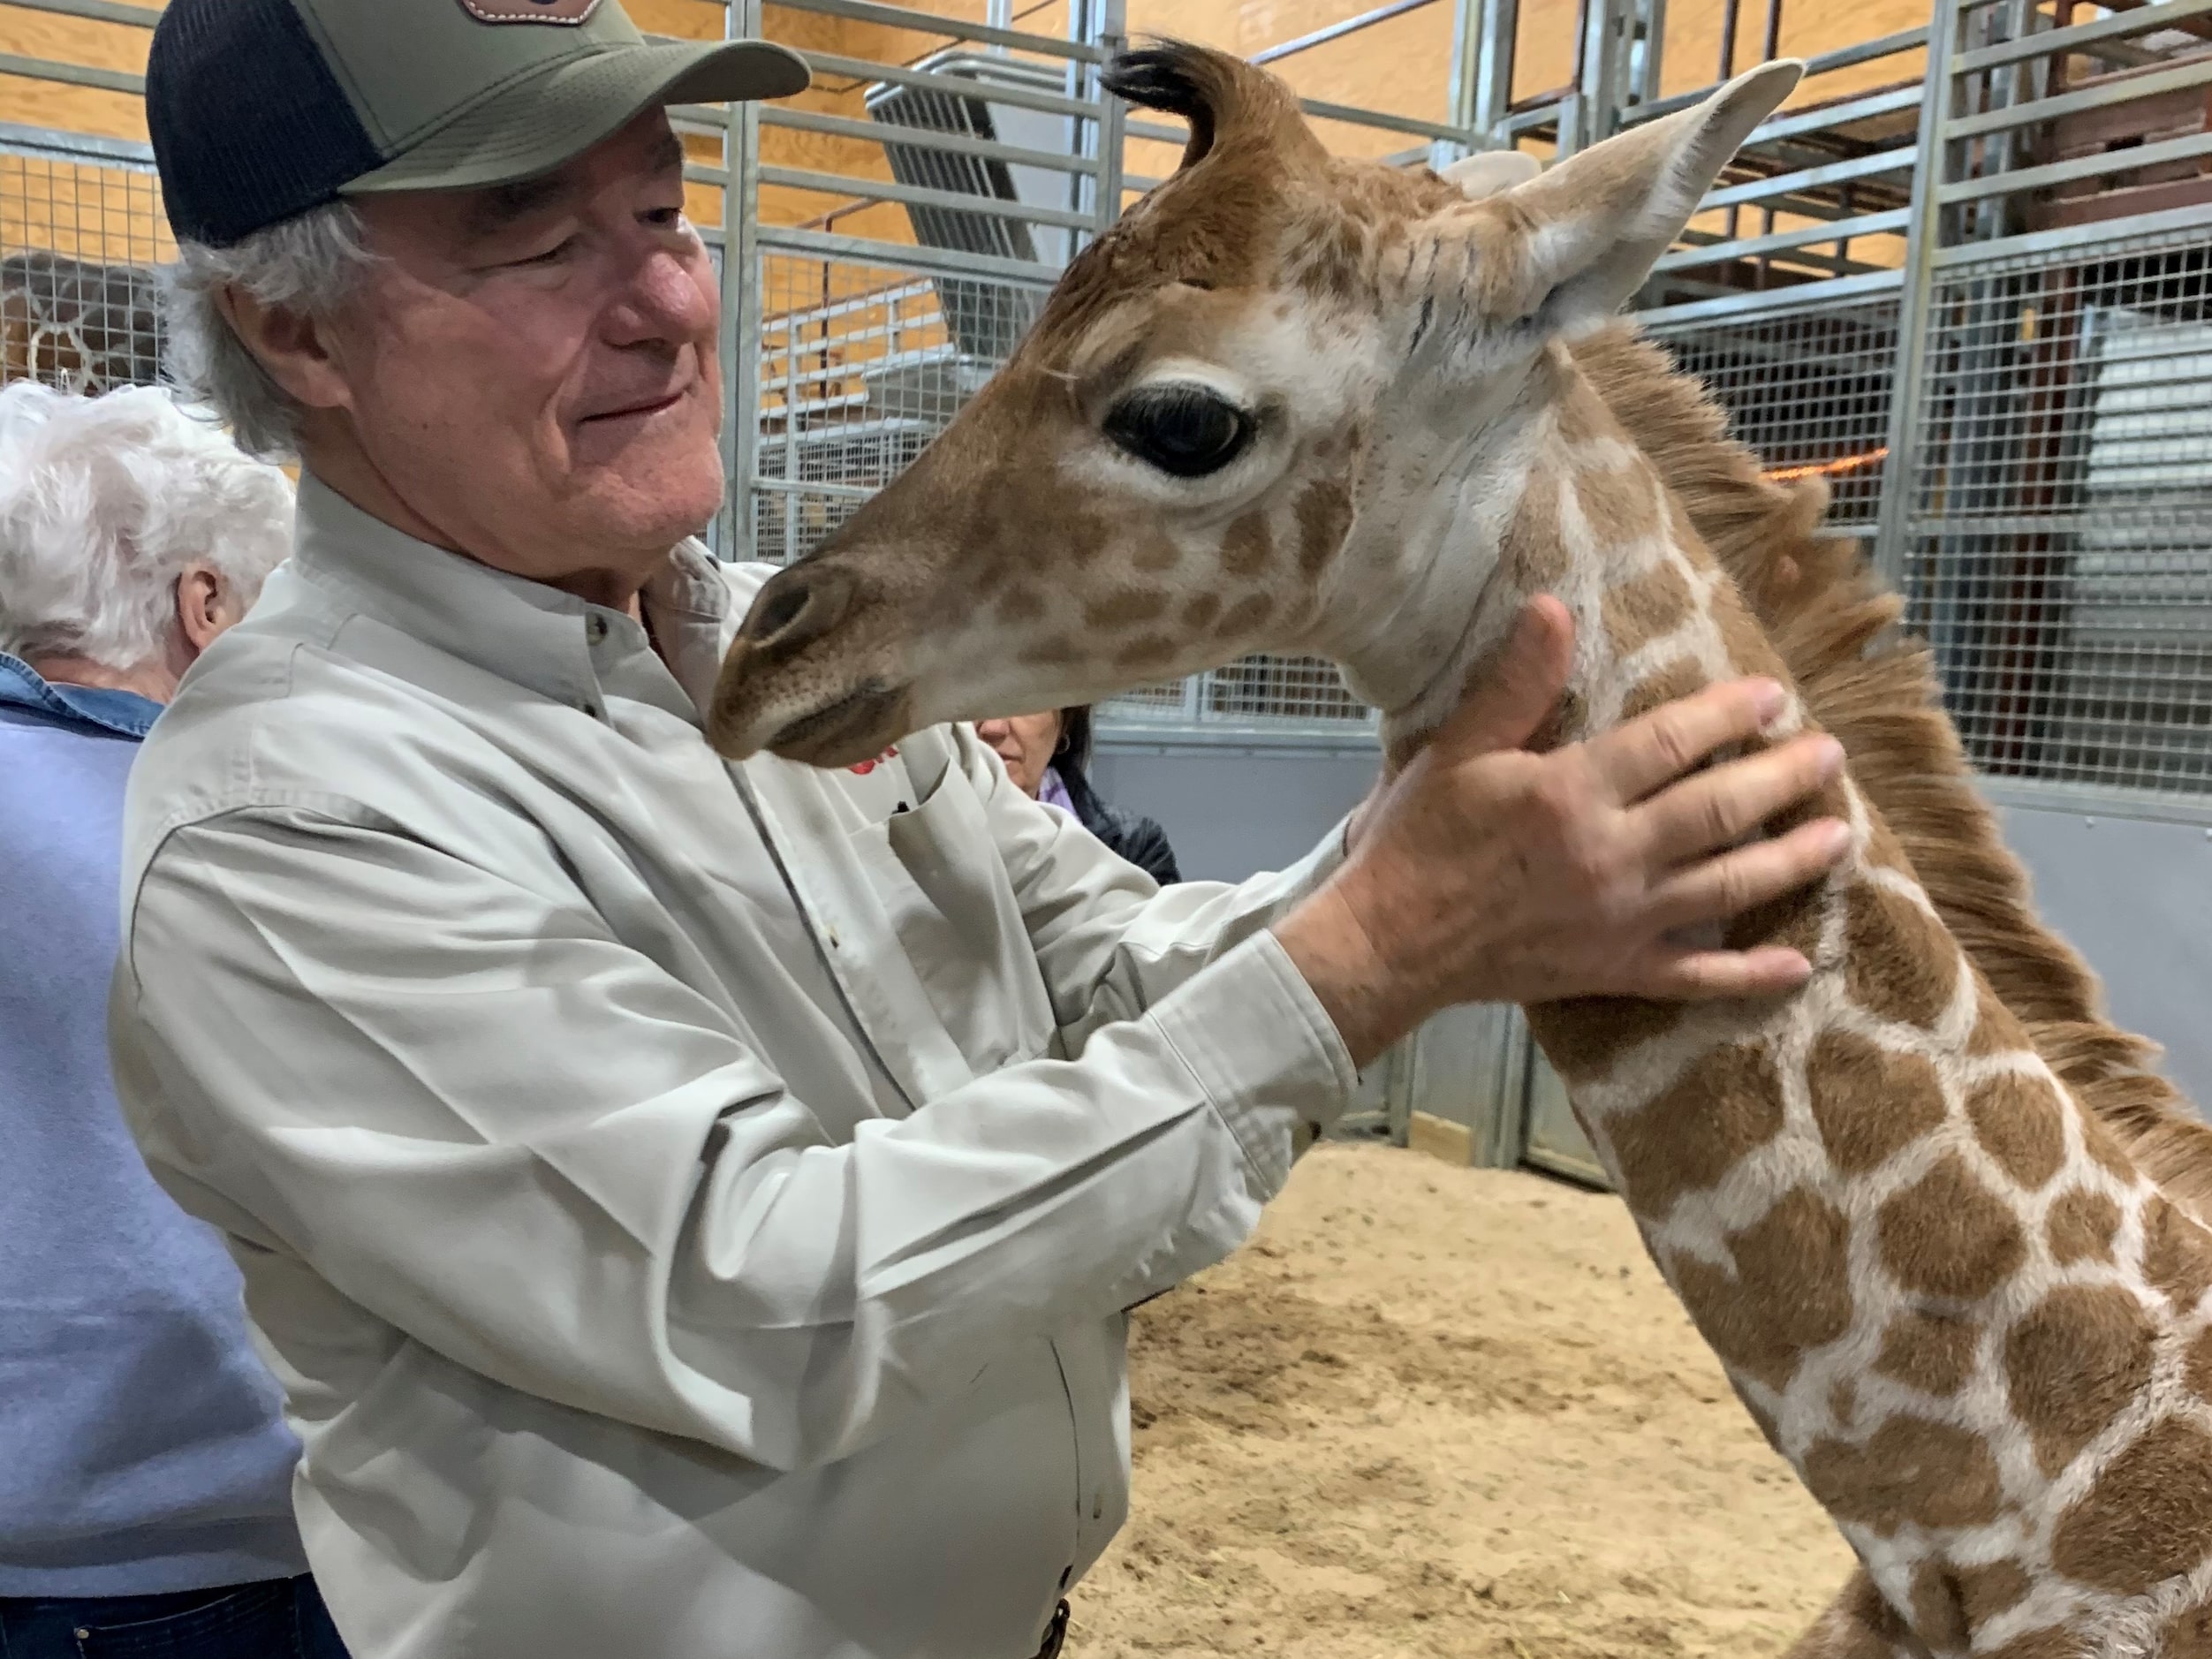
1453	1411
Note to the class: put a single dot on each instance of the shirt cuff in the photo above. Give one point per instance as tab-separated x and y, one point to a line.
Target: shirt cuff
1263	1048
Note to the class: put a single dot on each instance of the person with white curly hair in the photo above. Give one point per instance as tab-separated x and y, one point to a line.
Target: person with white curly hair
145	1465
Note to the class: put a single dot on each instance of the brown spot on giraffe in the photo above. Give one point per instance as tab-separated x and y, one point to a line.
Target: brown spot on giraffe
1996	1030
1995	1587
2188	1635
1939	1610
1859	1625
1790	1292
1869	1103
1247	547
1585	1036
1533	552
2104	1147
1243	616
1056	647
2176	1253
2197	1368
1901	964
1125	608
1948	1235
1149	650
1679	678
2016	1119
1933	1353
1912	1470
2080	1226
1646	608
1156	554
1697	1129
1843	1403
1199	614
1324	514
1620	504
1020	603
2146	1518
2071	1362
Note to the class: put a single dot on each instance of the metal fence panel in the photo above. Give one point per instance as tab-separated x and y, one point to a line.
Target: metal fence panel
81	234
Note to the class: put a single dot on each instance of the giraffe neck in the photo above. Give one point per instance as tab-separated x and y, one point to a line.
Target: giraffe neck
1977	1332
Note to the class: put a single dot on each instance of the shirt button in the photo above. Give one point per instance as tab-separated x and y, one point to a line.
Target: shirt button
596	628
590	710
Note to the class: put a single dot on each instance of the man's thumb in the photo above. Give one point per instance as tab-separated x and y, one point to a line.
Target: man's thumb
1507	702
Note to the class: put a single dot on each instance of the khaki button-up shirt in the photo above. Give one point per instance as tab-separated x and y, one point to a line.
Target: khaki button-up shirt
689	1206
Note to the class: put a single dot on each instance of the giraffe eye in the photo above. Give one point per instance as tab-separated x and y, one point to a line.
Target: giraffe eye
1185	431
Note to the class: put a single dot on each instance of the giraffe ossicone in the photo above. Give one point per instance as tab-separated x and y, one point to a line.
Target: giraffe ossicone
1938	1221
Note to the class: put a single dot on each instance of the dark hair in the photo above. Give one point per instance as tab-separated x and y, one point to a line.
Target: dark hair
1073	750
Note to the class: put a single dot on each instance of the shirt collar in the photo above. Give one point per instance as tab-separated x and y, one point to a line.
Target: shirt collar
537	637
124	713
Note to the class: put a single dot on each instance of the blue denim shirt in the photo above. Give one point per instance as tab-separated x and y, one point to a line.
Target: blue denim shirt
143	1447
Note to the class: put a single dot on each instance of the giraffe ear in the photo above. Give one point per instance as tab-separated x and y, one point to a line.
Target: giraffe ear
1591	228
1229	103
1487	172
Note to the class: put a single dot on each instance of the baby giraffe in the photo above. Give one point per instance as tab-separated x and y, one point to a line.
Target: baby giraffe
1298	403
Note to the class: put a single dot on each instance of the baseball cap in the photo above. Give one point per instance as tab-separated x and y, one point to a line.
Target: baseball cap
261	109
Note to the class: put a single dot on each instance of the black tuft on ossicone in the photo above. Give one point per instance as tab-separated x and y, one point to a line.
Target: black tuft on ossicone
1172	76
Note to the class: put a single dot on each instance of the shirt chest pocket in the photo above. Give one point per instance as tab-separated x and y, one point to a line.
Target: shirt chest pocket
945	893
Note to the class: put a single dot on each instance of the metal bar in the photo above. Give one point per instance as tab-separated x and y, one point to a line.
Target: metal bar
83	147
919	196
1358	117
861	69
901	255
807	487
2118	25
937	23
72	74
1821	120
1820	64
1917	285
1113	118
1337	31
1748	248
2104	94
1897	161
98	11
1770	40
711	119
2027	179
740	345
918	138
874	299
2071	235
1810	296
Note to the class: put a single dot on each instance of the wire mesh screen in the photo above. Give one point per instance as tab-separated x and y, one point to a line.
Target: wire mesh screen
81	234
1808	389
2059	545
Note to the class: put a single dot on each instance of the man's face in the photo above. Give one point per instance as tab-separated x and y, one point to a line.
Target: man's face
531	368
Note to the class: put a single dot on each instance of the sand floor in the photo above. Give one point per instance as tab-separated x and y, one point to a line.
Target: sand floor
1441	1411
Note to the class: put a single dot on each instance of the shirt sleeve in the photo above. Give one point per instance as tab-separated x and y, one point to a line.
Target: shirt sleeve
480	1116
1110	941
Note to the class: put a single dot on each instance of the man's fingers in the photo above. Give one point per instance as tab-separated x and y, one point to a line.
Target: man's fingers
1640	757
1718	808
1505	711
1729	885
1695	976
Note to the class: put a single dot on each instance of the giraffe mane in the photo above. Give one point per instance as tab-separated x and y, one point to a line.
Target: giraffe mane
1874	688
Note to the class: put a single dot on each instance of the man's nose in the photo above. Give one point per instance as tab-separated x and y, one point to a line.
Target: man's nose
665	298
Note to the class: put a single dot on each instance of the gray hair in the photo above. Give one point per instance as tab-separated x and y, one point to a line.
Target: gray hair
309	264
104	501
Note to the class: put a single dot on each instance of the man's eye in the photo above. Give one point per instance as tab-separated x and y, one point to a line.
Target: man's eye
551	255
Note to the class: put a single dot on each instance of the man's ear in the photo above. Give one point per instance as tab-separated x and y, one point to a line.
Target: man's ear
291	347
1487	172
1591	228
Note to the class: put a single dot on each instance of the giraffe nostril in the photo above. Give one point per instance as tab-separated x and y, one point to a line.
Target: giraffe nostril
798	606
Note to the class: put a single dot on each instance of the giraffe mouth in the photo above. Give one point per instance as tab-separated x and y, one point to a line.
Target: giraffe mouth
853	728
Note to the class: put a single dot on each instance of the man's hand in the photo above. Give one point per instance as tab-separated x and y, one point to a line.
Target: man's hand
1484	873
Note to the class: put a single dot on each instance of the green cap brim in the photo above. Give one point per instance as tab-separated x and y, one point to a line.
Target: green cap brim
535	123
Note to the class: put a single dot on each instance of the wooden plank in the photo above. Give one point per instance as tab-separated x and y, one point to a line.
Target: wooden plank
1441	1137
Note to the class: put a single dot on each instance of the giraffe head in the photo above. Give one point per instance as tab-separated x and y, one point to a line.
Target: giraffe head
1269	410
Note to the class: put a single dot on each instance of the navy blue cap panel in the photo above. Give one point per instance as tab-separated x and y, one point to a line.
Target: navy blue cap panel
249	126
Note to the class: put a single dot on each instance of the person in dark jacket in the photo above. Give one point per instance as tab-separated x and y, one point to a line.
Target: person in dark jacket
1049	757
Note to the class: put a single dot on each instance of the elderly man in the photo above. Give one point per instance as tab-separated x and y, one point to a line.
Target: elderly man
145	1466
690	1206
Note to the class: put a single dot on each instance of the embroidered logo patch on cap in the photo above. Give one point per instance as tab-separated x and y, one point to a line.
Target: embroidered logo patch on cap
530	11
